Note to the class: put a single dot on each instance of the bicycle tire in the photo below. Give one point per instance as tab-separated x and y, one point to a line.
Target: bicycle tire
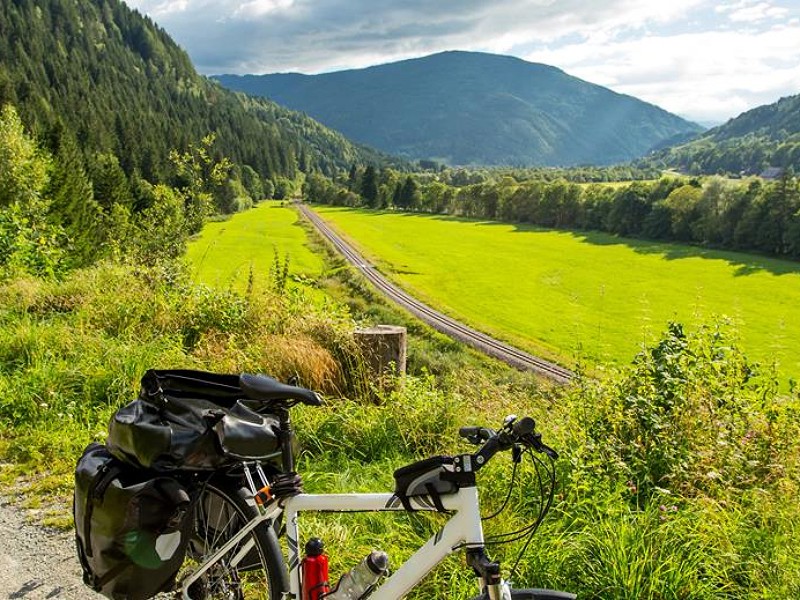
534	594
260	571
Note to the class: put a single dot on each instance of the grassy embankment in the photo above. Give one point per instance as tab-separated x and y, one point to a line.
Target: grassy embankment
577	294
678	476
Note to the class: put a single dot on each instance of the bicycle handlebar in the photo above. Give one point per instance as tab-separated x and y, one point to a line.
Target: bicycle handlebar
476	435
515	432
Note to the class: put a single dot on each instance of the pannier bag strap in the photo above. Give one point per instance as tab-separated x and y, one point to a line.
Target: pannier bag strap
107	473
98	583
435	497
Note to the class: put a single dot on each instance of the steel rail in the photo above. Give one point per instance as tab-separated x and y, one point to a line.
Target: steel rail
500	350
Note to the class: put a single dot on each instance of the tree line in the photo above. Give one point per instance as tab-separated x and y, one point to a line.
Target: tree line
747	215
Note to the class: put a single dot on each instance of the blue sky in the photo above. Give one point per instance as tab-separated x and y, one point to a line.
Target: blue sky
707	61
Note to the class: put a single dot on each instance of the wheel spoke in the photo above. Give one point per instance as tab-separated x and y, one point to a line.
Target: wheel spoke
243	572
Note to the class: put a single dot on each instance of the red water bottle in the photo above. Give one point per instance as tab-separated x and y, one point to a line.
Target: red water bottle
315	570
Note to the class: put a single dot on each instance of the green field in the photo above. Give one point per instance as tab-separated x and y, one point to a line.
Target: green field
567	294
225	252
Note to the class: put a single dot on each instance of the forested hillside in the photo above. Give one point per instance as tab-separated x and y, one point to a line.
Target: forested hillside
472	108
112	146
119	83
767	136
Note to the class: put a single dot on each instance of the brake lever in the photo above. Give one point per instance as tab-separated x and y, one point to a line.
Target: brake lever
551	454
534	440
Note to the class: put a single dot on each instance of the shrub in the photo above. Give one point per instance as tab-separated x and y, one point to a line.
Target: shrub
691	415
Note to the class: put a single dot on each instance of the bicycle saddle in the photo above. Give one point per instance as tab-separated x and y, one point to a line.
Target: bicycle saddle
266	389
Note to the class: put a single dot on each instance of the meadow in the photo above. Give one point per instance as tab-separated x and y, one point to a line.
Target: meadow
579	295
226	252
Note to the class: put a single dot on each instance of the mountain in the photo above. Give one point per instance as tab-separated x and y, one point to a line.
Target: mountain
473	108
766	136
121	85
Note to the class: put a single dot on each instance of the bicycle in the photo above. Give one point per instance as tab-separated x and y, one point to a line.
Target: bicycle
242	511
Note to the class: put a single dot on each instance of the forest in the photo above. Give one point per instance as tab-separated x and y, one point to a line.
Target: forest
752	214
117	84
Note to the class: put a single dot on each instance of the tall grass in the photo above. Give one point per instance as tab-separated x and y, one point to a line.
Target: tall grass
73	351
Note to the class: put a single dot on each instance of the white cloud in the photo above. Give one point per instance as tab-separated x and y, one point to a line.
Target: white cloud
259	8
708	75
748	12
160	8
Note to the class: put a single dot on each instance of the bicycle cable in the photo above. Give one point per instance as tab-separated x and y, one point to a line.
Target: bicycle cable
508	495
530	530
544	509
512	536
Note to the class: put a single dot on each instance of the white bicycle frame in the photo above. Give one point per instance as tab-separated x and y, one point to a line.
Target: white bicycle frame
462	530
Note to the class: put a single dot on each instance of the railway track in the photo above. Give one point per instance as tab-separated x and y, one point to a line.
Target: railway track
439	321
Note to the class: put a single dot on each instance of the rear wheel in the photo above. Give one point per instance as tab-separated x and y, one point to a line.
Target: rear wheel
252	569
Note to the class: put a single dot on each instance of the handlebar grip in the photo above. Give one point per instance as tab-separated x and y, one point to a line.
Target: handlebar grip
523	427
468	432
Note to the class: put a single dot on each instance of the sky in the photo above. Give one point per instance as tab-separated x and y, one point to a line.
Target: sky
706	61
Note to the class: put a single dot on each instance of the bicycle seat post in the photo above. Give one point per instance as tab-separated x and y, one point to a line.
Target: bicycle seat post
286	438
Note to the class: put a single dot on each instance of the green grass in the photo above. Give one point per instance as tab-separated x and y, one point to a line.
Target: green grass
636	512
566	294
225	251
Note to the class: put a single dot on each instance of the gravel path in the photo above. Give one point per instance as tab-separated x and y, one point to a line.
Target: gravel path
36	562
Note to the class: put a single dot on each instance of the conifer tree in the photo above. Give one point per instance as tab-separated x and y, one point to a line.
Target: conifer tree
109	182
74	205
369	186
408	195
352	177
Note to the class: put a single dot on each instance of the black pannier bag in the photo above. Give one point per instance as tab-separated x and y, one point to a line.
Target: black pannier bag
429	478
132	527
191	420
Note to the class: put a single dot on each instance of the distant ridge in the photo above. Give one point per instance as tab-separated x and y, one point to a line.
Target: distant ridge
766	136
468	108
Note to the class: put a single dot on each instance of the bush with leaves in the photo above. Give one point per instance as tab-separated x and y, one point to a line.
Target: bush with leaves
691	416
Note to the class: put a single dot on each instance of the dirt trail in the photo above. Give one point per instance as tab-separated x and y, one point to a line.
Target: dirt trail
36	562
